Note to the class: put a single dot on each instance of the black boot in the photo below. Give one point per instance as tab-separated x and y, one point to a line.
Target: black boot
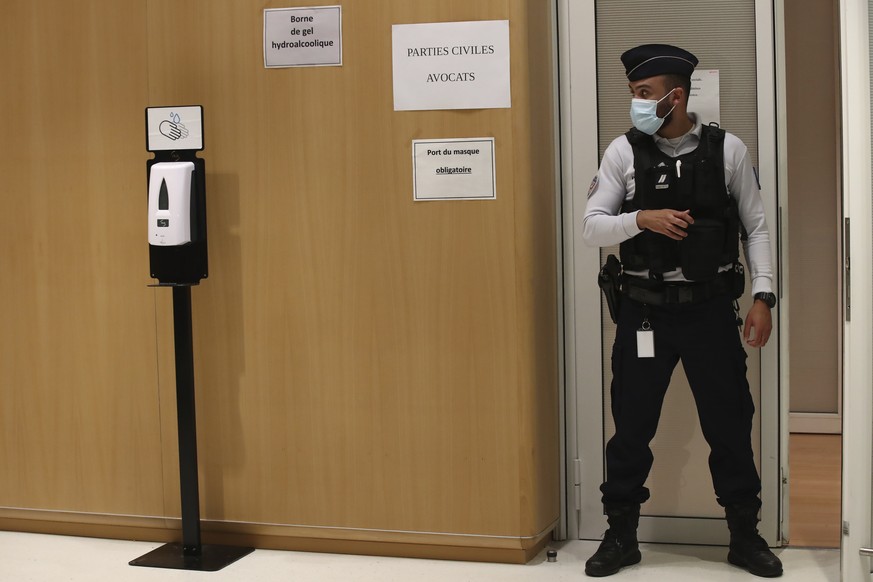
619	547
748	549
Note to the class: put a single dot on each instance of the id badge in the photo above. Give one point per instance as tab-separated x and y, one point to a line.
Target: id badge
646	341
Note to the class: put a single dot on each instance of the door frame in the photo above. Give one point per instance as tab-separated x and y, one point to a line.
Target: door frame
582	311
858	248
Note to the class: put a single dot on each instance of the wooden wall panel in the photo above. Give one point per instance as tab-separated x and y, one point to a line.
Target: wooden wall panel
366	361
78	389
363	362
533	104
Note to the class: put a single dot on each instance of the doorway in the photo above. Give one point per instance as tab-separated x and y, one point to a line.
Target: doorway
813	277
814	361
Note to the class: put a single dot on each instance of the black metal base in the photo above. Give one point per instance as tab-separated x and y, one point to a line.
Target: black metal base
211	559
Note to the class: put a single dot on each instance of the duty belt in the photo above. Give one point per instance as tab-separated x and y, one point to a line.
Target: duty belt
659	293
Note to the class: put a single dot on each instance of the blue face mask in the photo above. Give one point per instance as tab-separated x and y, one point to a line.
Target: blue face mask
644	114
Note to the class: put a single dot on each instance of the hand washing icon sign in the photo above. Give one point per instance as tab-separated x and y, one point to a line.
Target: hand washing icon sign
173	128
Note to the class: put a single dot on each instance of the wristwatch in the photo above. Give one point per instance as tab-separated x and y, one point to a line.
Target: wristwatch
769	299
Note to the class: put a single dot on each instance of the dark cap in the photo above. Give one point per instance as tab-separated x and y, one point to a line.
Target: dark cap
649	60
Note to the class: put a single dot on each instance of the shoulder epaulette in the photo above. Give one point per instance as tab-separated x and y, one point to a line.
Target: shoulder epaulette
713	132
635	136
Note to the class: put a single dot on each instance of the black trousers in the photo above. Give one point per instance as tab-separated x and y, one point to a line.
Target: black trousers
705	337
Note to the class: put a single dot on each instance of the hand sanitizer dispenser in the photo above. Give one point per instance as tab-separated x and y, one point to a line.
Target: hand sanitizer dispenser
176	189
170	203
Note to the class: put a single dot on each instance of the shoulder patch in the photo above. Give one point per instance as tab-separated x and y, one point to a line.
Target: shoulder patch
593	185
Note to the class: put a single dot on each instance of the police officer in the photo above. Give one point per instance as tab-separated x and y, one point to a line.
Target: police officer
680	197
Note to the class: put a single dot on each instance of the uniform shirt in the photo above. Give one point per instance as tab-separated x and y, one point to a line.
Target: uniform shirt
603	226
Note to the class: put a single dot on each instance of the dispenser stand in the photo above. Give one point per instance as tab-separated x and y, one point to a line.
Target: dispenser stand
191	554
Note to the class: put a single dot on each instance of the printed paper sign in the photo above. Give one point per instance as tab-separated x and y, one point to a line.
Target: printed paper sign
457	169
303	37
451	65
174	128
704	98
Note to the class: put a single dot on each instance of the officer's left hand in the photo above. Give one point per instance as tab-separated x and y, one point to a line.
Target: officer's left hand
760	320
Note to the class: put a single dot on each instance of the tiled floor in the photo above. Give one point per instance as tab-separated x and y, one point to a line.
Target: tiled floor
42	558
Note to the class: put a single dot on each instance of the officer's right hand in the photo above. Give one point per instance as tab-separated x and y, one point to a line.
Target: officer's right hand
671	223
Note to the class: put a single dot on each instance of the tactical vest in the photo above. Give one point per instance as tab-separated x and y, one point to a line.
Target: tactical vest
693	181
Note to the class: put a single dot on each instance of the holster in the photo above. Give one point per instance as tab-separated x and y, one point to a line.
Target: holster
609	281
739	280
